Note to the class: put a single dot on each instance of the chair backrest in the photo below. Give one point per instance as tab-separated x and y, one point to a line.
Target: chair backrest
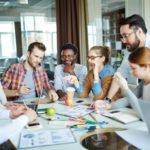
12	61
3	62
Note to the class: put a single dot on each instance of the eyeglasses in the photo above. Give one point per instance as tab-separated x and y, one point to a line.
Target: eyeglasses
67	56
125	37
92	57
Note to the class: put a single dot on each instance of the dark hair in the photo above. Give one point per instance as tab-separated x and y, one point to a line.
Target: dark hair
39	45
141	56
70	46
103	51
134	21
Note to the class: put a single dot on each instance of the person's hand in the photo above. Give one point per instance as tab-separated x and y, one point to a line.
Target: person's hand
24	89
14	113
69	69
12	106
97	69
52	95
72	80
31	114
62	95
121	81
101	106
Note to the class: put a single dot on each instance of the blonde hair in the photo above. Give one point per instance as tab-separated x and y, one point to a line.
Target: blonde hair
141	56
103	51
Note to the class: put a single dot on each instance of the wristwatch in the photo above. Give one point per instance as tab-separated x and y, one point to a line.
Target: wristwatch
108	100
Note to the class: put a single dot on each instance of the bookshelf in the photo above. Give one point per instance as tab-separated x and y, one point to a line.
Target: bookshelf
111	35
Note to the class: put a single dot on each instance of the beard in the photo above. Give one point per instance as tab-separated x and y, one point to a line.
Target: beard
134	46
32	64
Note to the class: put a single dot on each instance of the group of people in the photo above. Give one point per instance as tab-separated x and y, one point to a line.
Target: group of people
28	79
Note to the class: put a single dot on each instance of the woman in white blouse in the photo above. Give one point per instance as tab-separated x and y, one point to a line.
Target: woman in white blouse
18	114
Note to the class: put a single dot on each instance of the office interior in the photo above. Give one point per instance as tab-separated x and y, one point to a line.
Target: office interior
84	23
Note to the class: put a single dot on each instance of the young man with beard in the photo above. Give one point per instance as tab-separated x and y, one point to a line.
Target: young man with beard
69	67
134	34
28	79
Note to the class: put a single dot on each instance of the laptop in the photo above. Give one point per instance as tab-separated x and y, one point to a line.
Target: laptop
142	108
145	110
133	136
30	105
135	106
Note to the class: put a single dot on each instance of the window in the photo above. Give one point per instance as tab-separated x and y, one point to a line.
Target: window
7	39
37	27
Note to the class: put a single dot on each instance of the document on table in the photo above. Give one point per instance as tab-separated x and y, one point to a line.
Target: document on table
76	111
36	138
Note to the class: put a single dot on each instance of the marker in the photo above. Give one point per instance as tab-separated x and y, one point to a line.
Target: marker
90	128
77	120
82	125
90	122
41	110
101	123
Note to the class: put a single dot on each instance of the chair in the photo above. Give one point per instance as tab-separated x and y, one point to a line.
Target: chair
11	61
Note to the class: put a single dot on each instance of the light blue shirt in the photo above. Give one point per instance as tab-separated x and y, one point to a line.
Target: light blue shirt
97	87
124	68
59	74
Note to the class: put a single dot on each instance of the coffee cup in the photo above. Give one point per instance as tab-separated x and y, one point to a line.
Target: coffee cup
70	96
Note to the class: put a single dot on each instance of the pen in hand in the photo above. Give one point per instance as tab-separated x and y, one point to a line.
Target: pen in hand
25	104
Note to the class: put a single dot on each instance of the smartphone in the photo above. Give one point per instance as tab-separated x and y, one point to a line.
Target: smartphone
79	101
115	111
32	125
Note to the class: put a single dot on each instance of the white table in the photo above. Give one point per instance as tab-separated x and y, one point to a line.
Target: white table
78	134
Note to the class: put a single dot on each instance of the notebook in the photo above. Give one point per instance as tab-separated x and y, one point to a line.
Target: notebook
122	115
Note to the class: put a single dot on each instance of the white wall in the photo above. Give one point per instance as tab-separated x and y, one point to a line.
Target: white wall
140	7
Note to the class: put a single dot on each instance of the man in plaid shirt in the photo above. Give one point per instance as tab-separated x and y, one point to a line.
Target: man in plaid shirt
28	79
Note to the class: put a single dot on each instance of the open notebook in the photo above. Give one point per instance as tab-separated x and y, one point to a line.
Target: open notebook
122	115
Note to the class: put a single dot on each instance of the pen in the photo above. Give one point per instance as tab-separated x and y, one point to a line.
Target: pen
25	104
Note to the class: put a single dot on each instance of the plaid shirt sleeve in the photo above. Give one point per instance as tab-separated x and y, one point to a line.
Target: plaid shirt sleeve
6	78
41	80
47	85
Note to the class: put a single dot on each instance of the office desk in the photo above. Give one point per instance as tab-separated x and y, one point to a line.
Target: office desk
79	134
